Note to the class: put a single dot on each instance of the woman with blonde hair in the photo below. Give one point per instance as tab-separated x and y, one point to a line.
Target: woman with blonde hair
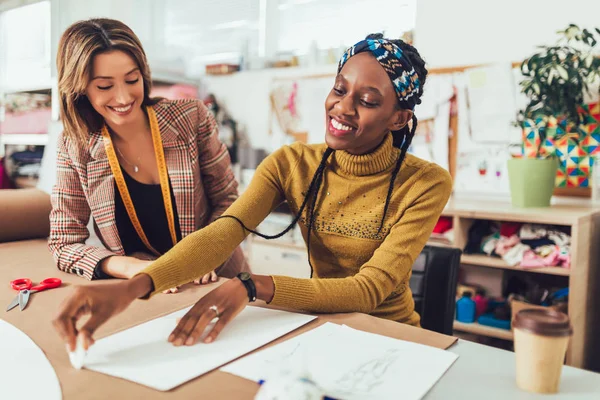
148	171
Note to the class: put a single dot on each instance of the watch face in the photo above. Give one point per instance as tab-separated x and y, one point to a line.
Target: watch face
244	276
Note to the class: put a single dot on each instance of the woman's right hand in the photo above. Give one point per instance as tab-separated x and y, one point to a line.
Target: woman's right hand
100	301
123	267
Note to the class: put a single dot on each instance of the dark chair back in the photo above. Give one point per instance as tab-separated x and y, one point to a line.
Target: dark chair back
433	285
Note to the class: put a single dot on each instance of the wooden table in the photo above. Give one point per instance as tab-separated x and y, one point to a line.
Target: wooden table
481	372
31	259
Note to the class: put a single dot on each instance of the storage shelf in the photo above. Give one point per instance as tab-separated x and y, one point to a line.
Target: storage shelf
36	88
563	211
492	262
165	78
483	330
31	139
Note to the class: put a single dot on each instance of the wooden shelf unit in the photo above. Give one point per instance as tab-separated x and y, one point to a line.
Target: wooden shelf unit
584	275
492	262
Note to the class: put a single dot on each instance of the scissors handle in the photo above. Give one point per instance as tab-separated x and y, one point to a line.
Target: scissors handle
21	284
48	283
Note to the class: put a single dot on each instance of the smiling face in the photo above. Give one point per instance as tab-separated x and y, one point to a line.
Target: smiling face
362	107
116	88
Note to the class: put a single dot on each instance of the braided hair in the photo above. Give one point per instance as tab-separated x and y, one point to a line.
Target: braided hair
311	195
404	136
401	138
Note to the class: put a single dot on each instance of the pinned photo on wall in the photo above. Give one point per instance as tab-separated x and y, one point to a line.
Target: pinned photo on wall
492	104
483	152
297	109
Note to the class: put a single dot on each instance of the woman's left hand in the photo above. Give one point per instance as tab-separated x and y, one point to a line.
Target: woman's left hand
224	302
210	277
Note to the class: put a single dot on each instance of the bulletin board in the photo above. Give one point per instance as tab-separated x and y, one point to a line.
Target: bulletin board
571	159
297	112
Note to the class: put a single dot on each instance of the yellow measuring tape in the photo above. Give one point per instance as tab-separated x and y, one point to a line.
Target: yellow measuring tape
162	172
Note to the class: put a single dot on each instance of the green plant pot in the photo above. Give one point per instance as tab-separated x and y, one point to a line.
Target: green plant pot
532	181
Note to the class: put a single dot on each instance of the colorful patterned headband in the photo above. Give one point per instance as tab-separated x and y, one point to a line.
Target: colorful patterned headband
398	67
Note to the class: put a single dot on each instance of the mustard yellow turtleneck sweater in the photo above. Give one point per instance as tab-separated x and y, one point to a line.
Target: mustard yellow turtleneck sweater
355	268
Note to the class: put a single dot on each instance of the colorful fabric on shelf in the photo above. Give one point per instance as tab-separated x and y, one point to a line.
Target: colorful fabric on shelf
514	256
532	232
507	229
489	243
506	243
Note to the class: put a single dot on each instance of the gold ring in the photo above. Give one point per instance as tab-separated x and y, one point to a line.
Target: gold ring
216	310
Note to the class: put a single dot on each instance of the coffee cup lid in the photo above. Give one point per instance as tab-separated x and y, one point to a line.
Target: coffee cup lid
543	322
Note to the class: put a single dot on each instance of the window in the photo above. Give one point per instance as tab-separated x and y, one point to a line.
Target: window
213	31
340	23
25	41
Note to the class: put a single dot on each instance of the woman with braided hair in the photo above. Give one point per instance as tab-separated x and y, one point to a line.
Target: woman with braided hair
366	209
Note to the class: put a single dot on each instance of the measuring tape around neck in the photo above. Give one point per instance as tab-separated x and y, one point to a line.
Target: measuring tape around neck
163	175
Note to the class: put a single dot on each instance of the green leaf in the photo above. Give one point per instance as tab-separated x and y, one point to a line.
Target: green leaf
524	67
562	72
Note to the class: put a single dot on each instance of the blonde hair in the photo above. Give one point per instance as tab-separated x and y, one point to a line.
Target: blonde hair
76	50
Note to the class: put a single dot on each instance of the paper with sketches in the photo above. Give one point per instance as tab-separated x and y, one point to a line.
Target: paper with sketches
351	364
492	100
143	355
297	111
480	166
26	372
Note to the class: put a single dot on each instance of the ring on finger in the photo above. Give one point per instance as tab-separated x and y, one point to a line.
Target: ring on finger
216	310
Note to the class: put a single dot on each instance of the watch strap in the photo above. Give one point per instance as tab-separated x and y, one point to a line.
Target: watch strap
249	285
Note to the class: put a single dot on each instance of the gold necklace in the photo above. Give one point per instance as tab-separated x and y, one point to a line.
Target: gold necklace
135	167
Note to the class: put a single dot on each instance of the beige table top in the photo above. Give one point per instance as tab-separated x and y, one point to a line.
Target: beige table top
31	259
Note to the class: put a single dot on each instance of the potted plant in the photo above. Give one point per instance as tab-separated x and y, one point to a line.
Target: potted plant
555	80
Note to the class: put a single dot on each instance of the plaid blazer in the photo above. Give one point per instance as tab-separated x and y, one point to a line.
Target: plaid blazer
199	169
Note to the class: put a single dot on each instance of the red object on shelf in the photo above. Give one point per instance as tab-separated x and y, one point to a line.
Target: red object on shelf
508	229
481	304
5	182
443	225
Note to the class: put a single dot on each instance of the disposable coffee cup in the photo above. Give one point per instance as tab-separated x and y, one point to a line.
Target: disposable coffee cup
541	340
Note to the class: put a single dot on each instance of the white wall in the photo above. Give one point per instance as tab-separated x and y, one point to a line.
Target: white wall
466	32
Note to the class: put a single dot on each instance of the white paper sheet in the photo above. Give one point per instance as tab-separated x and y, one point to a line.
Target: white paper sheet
481	169
143	355
24	369
493	104
351	364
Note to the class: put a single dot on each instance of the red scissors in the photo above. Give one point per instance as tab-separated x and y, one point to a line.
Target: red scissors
25	288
